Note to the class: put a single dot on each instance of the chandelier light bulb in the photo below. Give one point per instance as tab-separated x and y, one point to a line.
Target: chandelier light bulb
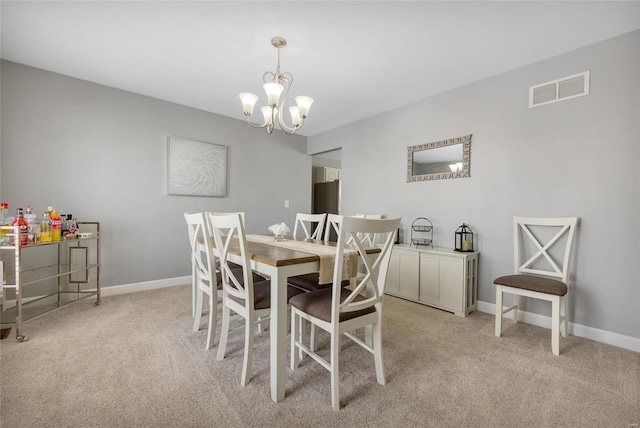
296	120
273	91
248	102
304	103
268	116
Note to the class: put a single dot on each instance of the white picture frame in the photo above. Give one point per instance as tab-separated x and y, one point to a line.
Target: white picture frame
196	168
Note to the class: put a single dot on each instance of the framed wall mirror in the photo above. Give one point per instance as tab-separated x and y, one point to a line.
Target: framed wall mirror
439	160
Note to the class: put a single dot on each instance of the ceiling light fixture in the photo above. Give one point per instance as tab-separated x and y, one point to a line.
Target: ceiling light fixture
274	84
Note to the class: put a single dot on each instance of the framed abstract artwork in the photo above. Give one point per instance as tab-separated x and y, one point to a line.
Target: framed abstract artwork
196	168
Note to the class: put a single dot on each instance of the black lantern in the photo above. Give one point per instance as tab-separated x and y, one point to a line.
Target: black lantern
464	239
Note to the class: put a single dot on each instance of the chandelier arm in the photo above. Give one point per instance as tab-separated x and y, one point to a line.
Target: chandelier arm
272	79
256	125
288	78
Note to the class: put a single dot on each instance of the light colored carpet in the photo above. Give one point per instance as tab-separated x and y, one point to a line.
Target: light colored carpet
134	362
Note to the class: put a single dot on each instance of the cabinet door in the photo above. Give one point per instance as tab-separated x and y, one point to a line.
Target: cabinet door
429	279
451	283
402	276
441	282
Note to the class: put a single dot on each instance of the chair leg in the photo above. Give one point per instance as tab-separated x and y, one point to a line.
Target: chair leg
194	289
313	341
564	311
224	332
498	310
555	325
516	304
198	309
377	352
248	350
260	327
213	318
295	332
302	331
335	367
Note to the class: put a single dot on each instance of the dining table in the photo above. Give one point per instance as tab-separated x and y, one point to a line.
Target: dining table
279	261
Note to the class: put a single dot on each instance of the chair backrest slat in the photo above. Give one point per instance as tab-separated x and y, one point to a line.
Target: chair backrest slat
201	246
304	220
228	231
353	229
333	224
369	238
525	234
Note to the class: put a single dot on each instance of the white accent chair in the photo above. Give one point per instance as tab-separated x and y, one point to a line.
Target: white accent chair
204	280
339	311
306	221
333	223
207	214
540	272
311	281
240	293
369	239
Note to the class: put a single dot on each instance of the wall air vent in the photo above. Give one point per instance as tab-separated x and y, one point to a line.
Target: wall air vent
559	90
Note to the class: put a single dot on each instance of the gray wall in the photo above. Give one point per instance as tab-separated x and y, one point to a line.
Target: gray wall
573	158
100	153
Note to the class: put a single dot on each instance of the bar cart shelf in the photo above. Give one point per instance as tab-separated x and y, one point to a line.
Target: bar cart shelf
54	274
422	232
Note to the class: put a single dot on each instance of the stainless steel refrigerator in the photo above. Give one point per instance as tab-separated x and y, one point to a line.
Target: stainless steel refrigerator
326	199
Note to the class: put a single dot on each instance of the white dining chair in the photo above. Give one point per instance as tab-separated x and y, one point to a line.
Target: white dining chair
311	281
305	223
339	311
542	256
240	293
204	279
369	239
207	215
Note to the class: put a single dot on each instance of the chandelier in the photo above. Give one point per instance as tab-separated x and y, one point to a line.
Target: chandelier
274	85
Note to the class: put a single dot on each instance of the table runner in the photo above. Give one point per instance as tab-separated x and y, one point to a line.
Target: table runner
326	253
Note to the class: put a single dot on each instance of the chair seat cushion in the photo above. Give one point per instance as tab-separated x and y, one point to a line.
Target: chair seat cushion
237	272
309	282
232	265
533	283
318	304
262	294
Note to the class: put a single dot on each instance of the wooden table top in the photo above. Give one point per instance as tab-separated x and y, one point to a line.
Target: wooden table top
273	255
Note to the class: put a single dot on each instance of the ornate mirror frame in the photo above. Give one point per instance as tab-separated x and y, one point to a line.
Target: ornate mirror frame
466	159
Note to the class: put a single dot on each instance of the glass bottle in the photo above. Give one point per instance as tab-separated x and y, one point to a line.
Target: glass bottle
45	227
69	226
56	225
33	225
24	227
4	221
72	225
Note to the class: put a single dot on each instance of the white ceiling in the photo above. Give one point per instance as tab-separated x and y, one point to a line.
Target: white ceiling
356	59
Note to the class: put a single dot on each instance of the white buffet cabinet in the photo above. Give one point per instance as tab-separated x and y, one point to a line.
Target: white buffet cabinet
438	277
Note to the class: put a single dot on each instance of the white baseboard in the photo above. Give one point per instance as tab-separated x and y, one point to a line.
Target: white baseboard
144	286
119	289
603	336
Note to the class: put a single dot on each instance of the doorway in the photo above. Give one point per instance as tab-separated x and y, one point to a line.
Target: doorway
326	182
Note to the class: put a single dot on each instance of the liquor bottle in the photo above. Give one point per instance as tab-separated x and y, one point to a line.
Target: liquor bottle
24	227
4	221
33	225
45	227
69	227
56	225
